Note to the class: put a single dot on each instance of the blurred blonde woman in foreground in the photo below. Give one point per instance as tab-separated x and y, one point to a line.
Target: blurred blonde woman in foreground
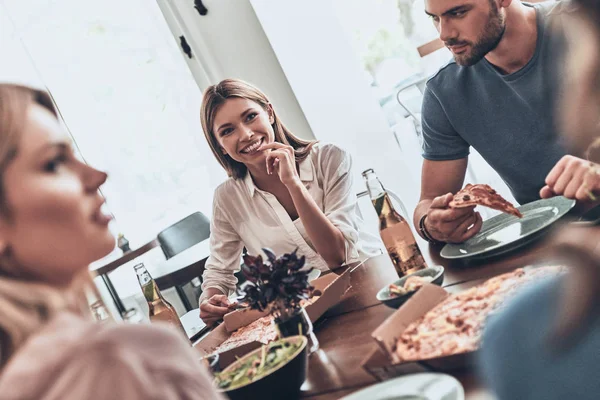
546	345
51	229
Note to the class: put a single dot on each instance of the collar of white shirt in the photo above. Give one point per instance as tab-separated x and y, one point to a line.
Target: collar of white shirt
305	171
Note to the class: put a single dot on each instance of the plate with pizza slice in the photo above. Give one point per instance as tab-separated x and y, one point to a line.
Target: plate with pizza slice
505	232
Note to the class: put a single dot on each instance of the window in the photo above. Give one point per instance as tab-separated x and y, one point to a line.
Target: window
386	40
130	103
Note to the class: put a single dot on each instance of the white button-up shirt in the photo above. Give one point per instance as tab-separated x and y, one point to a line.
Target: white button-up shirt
245	216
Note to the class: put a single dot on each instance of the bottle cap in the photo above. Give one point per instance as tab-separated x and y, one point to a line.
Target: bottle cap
368	171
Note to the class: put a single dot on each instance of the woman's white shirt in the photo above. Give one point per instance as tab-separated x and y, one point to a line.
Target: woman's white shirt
244	215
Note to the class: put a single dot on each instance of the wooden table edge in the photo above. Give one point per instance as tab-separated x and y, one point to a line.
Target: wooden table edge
111	266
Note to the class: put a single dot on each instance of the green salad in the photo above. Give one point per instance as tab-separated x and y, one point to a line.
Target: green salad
258	365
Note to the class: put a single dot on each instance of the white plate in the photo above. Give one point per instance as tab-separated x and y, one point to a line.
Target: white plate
427	385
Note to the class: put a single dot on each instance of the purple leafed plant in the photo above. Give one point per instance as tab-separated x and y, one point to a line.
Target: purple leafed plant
277	284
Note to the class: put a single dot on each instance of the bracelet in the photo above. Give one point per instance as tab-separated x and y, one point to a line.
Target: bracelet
426	235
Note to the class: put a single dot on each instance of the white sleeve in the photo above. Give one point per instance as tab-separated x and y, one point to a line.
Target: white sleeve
225	252
340	201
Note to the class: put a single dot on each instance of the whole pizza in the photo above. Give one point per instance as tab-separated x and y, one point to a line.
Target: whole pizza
455	325
483	195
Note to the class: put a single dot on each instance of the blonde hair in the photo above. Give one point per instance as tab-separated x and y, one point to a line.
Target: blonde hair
216	95
26	305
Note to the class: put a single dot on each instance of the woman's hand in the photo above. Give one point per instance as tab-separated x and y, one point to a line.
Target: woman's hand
574	178
213	308
282	160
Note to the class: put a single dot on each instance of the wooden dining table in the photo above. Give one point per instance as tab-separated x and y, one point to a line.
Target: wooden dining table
344	332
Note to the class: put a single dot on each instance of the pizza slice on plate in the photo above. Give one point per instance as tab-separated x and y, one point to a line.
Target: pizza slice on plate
483	195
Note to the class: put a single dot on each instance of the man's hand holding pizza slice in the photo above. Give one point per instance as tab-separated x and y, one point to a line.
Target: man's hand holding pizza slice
451	225
452	218
483	195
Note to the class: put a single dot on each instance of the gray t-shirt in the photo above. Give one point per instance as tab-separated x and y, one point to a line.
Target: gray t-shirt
508	119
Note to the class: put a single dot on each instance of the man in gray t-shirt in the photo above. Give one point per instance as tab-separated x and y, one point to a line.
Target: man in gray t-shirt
498	95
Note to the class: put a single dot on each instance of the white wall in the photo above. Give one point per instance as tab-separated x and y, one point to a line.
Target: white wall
229	42
16	66
326	76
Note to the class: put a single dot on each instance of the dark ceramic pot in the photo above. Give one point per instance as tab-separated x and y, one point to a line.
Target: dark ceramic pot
298	324
283	382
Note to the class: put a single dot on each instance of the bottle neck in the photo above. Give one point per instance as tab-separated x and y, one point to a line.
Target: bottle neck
148	285
385	210
374	186
380	199
151	292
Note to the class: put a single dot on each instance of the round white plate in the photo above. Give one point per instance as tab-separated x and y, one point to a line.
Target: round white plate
506	232
427	385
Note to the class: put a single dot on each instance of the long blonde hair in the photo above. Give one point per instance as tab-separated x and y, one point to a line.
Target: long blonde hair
26	305
216	95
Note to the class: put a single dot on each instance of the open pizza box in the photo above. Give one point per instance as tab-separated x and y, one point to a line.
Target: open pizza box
383	363
217	336
332	287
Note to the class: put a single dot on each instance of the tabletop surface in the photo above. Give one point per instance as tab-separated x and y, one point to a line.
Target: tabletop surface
344	332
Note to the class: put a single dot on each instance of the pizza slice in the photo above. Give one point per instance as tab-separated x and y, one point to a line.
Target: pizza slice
483	195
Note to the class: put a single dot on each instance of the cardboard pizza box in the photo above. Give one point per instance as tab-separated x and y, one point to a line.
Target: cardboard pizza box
218	335
331	286
238	318
383	363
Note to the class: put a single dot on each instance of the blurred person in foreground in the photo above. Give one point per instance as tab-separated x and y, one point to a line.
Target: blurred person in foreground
51	229
546	344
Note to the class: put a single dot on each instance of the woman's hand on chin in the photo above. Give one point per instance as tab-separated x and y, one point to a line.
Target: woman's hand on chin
282	161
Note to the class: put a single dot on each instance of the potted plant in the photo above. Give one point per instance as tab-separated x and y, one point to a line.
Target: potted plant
280	285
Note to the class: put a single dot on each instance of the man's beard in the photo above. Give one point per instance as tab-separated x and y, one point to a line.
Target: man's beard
492	35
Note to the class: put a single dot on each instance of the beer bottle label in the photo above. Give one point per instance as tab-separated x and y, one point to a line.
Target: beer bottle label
402	248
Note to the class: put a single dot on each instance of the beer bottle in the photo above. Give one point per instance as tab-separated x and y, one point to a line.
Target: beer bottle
99	311
96	305
394	229
159	308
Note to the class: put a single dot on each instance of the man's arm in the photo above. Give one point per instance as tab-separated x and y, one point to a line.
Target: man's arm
446	155
439	180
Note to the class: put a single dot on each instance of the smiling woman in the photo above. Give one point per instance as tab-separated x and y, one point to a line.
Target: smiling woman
253	104
284	193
